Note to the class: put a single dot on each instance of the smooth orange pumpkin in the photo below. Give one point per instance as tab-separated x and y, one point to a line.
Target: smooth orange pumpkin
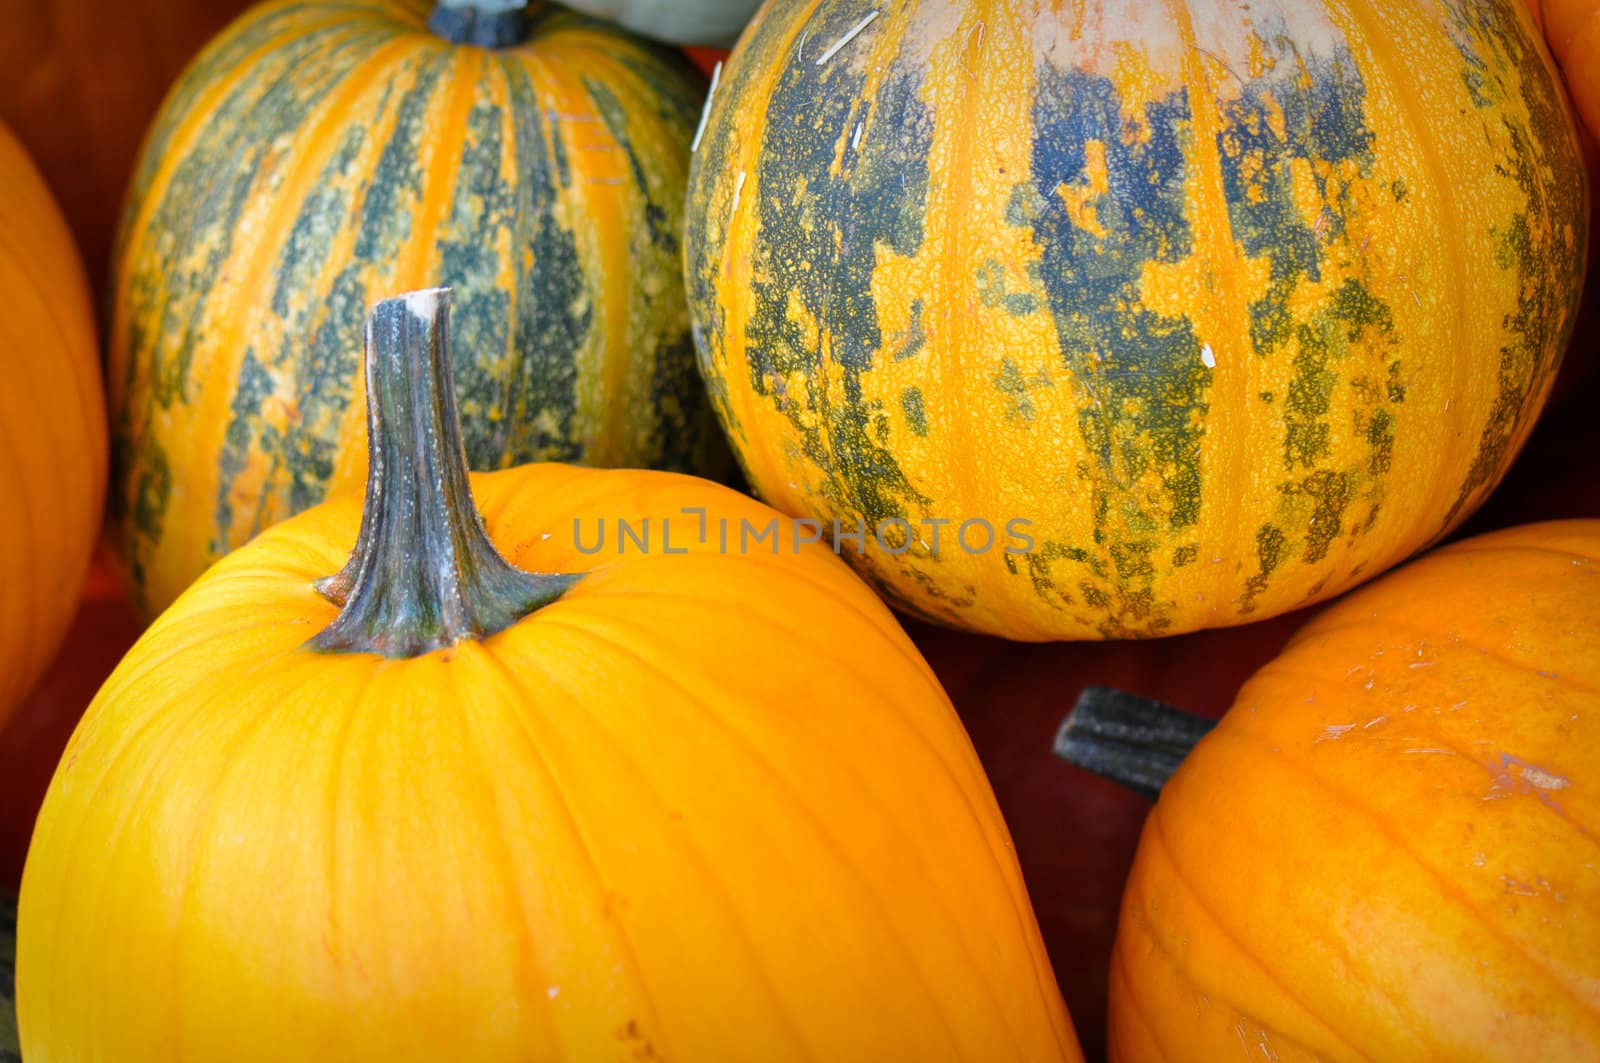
681	802
52	426
1236	305
1572	27
1388	847
80	81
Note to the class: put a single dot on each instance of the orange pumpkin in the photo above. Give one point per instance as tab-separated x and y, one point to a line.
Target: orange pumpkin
679	802
79	83
1387	849
52	426
1572	27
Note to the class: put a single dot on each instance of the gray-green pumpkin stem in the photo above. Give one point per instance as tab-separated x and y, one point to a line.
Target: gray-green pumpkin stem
486	23
423	574
1128	739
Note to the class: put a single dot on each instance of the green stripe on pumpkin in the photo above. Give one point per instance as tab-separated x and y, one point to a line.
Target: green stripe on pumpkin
324	153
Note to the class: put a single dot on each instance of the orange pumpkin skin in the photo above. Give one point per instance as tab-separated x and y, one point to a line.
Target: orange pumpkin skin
52	426
585	809
685	799
1388	848
1572	27
79	82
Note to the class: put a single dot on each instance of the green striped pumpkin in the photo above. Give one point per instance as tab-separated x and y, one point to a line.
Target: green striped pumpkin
323	154
1234	304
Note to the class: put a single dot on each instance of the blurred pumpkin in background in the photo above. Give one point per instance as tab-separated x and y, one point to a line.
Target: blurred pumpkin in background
52	426
1572	28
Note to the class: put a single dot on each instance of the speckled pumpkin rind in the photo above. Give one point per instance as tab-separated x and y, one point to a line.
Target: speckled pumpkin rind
319	156
1235	307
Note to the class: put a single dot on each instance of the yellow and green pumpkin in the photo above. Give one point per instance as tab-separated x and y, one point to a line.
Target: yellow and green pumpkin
1233	304
318	152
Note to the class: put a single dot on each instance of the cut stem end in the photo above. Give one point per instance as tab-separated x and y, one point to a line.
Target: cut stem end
1130	740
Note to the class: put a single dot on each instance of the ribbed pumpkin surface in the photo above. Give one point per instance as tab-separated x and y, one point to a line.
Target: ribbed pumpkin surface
319	156
52	426
706	807
1236	304
1388	848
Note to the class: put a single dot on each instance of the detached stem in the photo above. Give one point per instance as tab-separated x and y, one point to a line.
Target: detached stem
1128	739
423	574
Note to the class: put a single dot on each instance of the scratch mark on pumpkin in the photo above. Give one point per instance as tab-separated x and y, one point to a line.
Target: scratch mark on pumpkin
1432	749
850	35
738	191
1208	356
1375	721
1544	780
855	138
1334	731
705	111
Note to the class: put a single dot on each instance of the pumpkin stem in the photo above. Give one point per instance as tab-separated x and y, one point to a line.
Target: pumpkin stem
485	23
1128	739
423	574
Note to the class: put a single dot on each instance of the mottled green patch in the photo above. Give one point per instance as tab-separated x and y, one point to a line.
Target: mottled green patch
1542	243
150	494
1331	493
658	222
1322	122
1139	375
911	406
1394	390
916	338
1322	100
1185	555
1270	550
1012	383
1380	443
822	229
994	292
1325	341
249	393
